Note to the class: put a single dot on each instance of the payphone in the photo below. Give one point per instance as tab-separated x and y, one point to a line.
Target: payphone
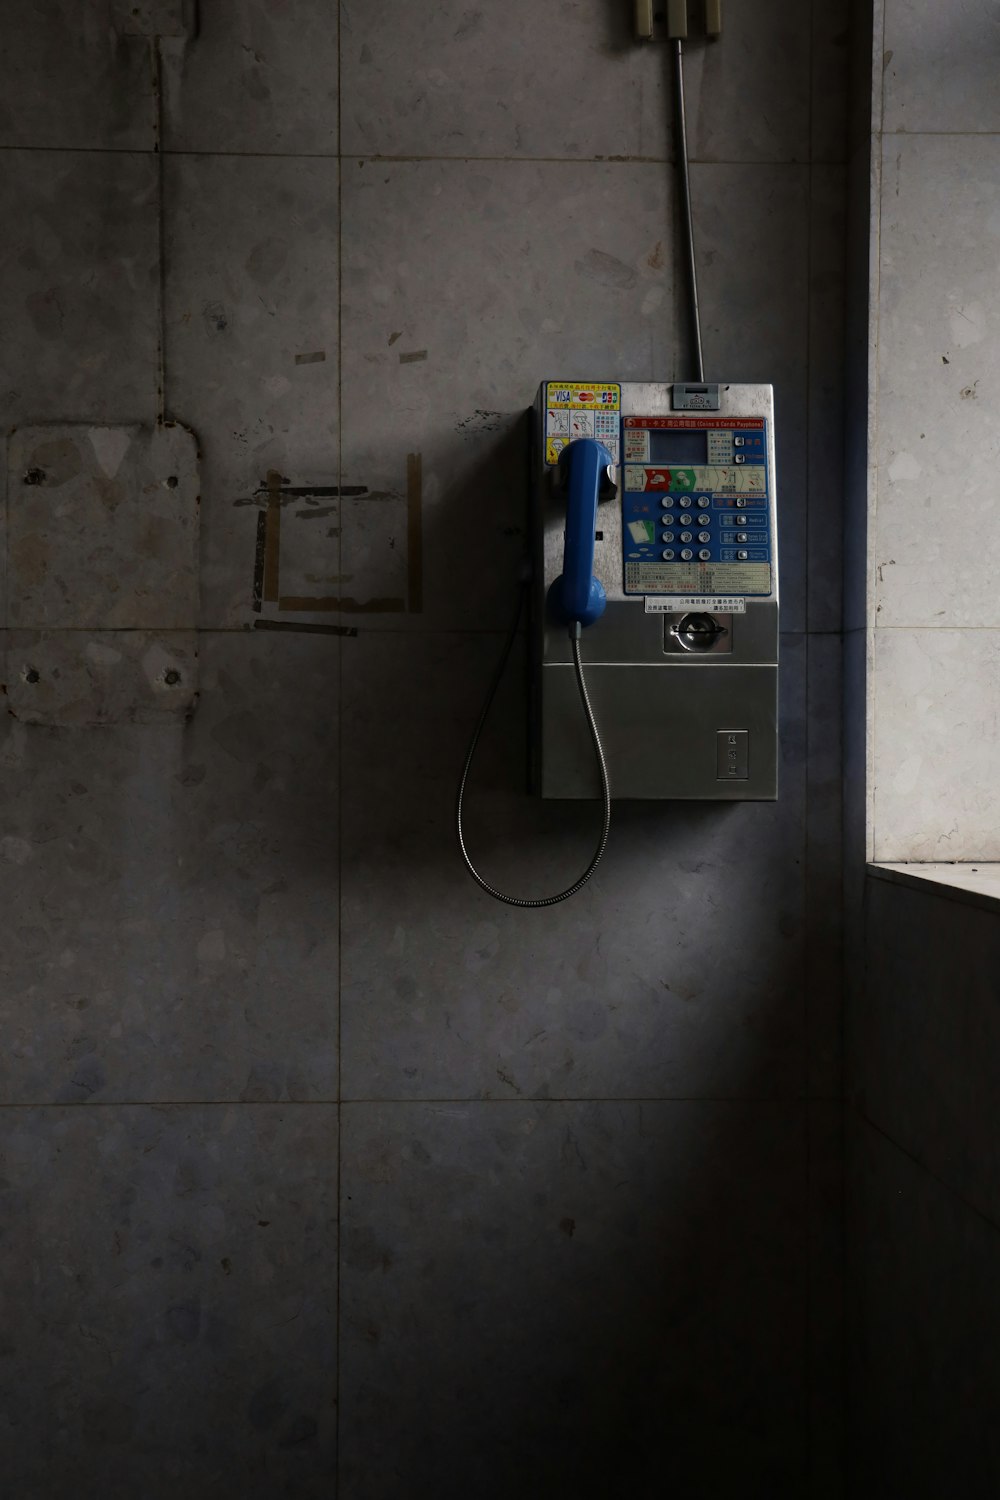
654	554
682	656
653	576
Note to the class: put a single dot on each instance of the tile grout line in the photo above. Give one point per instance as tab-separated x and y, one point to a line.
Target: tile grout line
562	161
807	1268
785	1101
156	59
337	1395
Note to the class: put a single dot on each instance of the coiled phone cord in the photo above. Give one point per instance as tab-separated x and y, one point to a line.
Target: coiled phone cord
574	635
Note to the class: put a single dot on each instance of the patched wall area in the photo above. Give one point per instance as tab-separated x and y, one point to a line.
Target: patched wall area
102	573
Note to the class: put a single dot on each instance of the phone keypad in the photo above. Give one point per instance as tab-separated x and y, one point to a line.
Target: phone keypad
715	528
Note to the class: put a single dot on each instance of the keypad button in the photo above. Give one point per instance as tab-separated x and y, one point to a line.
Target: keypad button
704	519
666	502
738	442
740	458
704	554
685	520
686	554
667	554
668	536
686	536
741	536
704	536
742	556
741	505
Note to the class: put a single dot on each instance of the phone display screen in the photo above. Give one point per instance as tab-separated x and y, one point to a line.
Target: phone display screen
678	447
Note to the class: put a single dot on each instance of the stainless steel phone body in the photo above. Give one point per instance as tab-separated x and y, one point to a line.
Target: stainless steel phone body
682	667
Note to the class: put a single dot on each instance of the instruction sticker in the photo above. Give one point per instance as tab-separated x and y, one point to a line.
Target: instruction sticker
636	445
682	578
576	409
720	604
687	479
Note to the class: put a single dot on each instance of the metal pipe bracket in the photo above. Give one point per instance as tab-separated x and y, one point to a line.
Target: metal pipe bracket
673	20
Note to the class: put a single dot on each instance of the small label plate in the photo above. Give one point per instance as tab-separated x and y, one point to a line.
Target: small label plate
732	755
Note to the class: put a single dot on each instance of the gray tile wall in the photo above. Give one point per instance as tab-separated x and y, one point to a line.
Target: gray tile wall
585	1163
933	531
920	675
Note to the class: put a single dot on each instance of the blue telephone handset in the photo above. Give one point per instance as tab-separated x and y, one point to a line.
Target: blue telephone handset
584	468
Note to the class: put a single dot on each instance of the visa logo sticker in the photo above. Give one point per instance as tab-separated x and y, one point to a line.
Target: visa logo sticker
578	393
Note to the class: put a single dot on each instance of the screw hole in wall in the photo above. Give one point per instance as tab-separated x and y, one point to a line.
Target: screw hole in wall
171	481
171	677
30	674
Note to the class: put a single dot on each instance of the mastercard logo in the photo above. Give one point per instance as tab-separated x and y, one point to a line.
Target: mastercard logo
585	395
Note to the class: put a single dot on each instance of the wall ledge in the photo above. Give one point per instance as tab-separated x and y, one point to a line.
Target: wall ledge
976	883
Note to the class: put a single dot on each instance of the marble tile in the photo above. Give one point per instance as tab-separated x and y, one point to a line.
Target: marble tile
925	1367
174	1321
748	94
824	865
940	66
510	82
69	78
252	351
624	991
545	269
830	72
939	378
257	77
935	790
598	1295
827	375
929	1034
171	892
754	290
78	287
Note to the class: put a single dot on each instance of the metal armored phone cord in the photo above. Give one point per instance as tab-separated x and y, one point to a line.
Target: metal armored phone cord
687	219
574	635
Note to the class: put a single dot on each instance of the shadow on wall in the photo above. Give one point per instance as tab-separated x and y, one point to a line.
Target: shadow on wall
557	1299
573	1228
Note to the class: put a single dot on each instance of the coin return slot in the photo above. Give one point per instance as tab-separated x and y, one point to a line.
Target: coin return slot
697	634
